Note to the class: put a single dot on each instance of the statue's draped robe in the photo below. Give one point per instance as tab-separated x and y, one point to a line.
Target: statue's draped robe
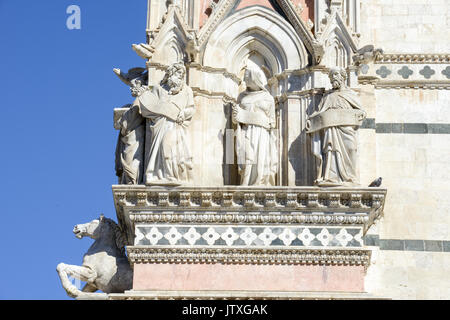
336	147
256	146
130	147
167	155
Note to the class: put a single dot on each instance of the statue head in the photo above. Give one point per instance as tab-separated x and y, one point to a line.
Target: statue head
255	79
337	76
174	77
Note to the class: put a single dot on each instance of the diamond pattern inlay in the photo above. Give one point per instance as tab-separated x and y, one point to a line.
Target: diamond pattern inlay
154	236
306	237
248	236
324	237
267	236
173	236
192	236
287	236
257	236
229	236
211	236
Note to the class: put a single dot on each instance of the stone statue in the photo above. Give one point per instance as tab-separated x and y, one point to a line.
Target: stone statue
256	145
105	265
334	128
130	147
366	55
131	141
168	108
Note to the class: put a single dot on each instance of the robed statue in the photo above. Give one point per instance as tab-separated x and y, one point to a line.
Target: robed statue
256	143
168	109
153	148
131	141
334	133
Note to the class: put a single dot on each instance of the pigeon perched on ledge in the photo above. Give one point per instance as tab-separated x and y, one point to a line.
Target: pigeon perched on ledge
376	183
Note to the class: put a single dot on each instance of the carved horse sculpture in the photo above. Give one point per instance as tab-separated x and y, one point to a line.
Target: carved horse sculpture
105	265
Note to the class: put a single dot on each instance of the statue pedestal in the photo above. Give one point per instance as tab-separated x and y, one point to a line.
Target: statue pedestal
188	241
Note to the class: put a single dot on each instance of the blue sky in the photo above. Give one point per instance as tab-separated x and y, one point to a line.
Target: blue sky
58	93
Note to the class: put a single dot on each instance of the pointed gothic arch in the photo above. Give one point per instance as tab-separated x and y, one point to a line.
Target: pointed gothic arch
255	29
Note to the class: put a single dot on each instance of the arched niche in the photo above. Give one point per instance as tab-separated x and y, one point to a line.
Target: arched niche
172	50
255	29
338	49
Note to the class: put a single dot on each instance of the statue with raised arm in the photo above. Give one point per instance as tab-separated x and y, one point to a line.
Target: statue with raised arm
130	144
256	146
168	109
334	133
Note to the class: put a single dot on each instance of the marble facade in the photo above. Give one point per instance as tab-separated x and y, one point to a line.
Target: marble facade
294	56
368	241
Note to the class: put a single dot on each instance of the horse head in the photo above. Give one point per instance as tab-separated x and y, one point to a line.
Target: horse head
102	228
91	229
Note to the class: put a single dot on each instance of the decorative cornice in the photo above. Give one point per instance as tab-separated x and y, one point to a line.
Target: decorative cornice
232	204
354	257
299	94
250	198
209	94
140	216
365	80
221	71
413	58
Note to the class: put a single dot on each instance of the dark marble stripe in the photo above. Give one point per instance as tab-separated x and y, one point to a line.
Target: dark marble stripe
369	123
410	128
392	244
407	245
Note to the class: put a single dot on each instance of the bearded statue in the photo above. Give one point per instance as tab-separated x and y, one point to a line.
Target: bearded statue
168	109
334	133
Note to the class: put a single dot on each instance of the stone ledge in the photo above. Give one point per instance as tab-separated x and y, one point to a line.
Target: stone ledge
242	295
310	256
419	58
235	197
247	205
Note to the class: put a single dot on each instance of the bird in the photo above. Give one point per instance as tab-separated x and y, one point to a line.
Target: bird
376	183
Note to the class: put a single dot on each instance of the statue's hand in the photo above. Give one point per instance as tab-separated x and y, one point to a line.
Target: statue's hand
362	116
180	119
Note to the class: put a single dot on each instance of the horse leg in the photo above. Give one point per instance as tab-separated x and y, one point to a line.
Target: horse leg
78	272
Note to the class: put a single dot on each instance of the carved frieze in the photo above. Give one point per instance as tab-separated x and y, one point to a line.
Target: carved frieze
243	207
353	257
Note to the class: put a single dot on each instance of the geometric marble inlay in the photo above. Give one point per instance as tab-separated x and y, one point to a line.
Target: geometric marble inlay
427	72
383	72
405	72
248	236
446	72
